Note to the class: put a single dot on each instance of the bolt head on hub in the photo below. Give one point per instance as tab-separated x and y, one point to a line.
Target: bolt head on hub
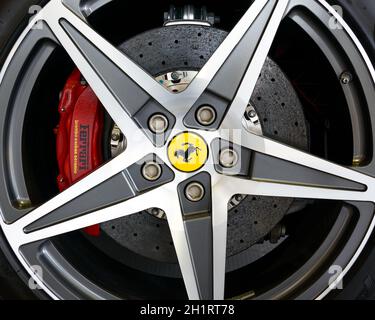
228	158
158	123
252	114
116	136
151	171
176	76
206	115
194	192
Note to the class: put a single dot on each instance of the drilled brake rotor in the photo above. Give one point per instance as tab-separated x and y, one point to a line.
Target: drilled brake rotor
187	48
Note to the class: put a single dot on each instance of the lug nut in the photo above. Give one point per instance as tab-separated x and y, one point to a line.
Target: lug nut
194	191
158	123
151	171
206	115
228	158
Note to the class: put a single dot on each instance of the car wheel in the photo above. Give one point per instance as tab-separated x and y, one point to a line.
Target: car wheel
192	152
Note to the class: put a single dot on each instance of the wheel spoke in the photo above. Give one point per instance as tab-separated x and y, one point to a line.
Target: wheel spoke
92	199
273	189
220	201
230	76
133	205
282	171
199	234
181	244
82	9
122	86
271	169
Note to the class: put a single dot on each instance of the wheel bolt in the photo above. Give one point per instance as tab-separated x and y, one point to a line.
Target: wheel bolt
24	204
176	76
206	115
151	171
346	77
158	123
83	82
228	158
194	191
238	197
252	114
116	136
155	211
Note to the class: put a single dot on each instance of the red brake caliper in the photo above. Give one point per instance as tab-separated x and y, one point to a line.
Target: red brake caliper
79	135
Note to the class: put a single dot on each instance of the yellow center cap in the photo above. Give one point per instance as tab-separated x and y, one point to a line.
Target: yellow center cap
187	152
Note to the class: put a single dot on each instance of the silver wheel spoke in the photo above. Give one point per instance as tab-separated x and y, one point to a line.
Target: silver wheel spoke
86	202
250	78
84	9
122	86
181	244
91	181
133	205
220	201
199	234
229	77
297	173
218	59
271	189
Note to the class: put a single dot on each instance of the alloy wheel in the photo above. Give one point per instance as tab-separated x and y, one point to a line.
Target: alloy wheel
192	187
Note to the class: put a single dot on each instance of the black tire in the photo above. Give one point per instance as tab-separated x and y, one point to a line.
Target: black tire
360	15
14	16
359	283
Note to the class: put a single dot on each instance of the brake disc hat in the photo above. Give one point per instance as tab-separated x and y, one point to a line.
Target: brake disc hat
188	47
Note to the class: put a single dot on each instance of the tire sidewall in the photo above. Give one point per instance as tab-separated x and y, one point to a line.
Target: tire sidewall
14	17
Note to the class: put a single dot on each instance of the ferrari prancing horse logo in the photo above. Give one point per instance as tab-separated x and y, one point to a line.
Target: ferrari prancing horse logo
187	152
